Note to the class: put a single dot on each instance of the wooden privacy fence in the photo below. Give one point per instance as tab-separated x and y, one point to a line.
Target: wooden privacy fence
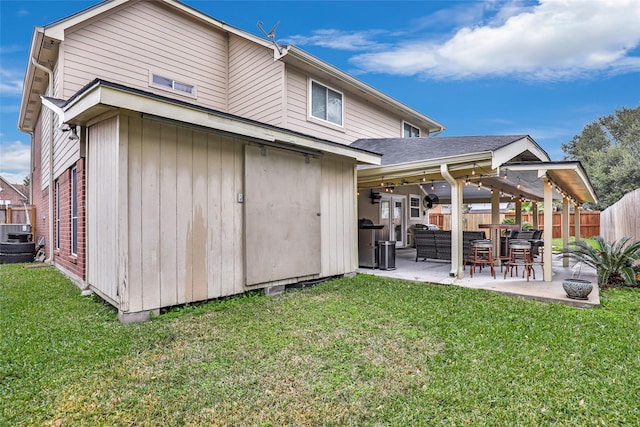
589	221
622	219
18	214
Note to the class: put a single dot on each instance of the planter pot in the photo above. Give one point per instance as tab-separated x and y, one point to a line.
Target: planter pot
577	288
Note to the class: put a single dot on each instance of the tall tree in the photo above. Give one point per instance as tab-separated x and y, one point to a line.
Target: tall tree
609	149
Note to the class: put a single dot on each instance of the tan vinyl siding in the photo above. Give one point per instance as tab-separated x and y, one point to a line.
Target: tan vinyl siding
125	46
255	82
102	208
338	216
45	118
361	120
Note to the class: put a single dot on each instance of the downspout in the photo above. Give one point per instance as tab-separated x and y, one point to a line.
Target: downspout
456	223
49	88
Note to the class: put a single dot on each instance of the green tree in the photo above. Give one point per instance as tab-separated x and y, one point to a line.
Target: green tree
609	149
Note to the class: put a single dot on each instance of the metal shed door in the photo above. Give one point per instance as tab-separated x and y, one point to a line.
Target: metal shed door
282	213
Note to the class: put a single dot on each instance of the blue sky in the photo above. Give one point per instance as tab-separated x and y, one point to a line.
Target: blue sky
543	68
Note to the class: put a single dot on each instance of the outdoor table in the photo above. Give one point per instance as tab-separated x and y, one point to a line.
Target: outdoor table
494	230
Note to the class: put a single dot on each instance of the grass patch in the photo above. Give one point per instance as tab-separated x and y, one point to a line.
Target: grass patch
556	244
361	351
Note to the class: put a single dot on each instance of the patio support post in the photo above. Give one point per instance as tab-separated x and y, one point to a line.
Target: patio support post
495	207
565	229
576	220
456	223
548	229
519	211
534	213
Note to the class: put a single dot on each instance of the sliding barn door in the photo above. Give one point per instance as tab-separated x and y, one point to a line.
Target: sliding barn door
282	213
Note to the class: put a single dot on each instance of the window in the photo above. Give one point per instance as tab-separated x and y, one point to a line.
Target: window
410	131
326	104
414	206
167	83
57	214
74	211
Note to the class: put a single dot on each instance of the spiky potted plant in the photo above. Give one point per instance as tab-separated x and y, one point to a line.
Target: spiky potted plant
613	262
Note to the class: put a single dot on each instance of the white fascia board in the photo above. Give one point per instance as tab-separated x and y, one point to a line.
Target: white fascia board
57	29
544	167
510	151
113	97
399	170
329	69
219	24
36	41
59	112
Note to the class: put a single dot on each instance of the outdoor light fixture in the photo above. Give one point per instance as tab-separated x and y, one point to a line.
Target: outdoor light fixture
432	186
473	170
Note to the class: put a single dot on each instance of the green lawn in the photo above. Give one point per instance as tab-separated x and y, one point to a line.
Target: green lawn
361	351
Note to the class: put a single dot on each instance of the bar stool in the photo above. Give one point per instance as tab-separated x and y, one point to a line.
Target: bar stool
520	255
481	255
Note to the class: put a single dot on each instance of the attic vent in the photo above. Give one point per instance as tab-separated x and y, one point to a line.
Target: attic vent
175	85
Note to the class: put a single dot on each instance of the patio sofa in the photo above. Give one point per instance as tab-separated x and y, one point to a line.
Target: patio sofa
436	244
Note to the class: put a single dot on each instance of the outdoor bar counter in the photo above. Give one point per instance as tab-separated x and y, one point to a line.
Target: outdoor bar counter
495	237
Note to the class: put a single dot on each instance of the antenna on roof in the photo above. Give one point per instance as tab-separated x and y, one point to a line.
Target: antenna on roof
271	35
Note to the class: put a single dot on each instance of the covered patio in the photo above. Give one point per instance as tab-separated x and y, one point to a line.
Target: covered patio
437	272
476	169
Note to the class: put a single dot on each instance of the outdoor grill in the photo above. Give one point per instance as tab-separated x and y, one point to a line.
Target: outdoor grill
367	243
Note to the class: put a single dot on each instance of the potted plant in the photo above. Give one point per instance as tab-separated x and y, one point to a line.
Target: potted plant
613	262
577	288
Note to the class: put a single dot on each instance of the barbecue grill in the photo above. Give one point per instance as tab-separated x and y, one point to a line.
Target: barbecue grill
367	243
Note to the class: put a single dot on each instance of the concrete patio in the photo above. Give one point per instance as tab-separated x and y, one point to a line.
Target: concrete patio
435	271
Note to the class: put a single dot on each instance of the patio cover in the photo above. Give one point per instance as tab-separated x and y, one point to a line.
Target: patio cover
479	169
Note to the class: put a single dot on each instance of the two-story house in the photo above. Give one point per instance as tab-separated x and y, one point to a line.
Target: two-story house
178	159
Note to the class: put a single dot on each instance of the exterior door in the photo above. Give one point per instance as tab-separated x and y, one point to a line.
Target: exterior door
282	212
393	217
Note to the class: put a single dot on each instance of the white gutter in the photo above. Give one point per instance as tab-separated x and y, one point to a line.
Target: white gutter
50	86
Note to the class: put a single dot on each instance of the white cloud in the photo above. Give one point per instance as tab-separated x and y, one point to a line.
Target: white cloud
337	39
14	161
555	40
10	82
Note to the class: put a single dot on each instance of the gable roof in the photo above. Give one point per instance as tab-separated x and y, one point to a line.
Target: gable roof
404	150
508	163
46	40
18	188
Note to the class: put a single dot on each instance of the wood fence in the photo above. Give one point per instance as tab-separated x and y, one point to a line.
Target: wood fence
18	215
589	222
622	219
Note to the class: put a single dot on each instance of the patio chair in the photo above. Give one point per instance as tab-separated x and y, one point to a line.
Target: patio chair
520	256
481	255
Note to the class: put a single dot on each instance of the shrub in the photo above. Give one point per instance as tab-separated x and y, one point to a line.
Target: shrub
614	262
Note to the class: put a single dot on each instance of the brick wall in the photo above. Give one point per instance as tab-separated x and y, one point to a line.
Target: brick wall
73	263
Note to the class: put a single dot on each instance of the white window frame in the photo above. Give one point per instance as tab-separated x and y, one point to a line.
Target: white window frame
74	211
418	206
171	85
405	123
310	104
